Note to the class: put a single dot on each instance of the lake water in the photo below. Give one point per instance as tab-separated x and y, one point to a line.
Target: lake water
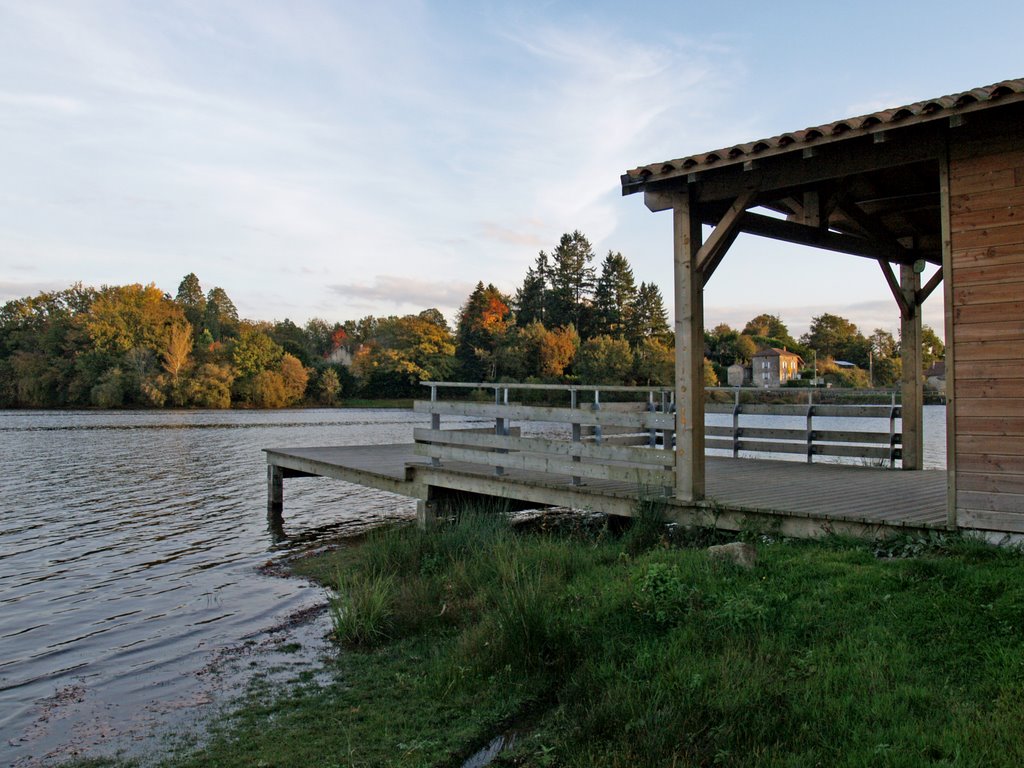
135	592
131	561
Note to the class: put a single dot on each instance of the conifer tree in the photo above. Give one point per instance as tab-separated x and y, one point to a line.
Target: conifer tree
613	296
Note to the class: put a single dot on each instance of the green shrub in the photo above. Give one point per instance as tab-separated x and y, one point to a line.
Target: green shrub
363	609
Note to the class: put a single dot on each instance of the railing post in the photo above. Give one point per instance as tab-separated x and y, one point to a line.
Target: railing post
576	433
810	427
736	426
435	422
652	434
598	432
892	431
499	423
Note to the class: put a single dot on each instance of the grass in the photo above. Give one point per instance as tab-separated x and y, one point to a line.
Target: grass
624	649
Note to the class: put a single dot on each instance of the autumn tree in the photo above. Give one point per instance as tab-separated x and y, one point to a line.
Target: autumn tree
402	352
604	360
654	363
295	377
176	357
484	320
556	350
328	386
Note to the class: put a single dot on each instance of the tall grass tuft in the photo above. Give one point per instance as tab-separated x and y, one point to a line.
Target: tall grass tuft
363	609
648	528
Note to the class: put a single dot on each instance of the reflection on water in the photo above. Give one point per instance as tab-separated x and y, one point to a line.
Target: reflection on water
129	560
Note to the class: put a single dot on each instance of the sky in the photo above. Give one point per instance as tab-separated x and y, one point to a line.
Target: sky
338	159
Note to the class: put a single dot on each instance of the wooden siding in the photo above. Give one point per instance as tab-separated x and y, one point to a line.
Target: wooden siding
986	207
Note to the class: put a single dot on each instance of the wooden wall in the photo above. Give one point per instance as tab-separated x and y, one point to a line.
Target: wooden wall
986	185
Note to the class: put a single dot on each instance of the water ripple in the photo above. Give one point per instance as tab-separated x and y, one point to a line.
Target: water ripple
130	556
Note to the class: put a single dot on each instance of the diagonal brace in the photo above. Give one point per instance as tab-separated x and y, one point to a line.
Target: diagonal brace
728	229
907	307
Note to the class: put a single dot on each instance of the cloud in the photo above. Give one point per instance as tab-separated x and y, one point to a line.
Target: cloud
11	290
494	231
42	101
406	291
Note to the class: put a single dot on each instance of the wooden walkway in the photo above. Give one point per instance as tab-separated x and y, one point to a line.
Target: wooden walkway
795	498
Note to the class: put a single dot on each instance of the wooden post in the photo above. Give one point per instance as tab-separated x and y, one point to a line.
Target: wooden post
689	327
426	508
435	422
275	489
910	352
577	433
950	322
499	424
810	427
736	425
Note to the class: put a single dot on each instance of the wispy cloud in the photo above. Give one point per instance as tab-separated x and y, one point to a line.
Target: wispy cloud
405	291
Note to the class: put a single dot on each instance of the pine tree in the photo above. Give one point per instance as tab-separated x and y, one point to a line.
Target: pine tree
191	299
613	296
647	318
532	298
571	281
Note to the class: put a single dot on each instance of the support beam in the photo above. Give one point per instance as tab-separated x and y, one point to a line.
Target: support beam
913	392
713	251
791	232
689	328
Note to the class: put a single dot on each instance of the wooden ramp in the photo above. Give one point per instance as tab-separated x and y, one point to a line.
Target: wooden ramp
795	498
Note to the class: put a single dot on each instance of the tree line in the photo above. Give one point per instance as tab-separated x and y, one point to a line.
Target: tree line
569	320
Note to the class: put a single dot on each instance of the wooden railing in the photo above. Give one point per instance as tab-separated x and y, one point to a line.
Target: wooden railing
872	446
592	438
624	442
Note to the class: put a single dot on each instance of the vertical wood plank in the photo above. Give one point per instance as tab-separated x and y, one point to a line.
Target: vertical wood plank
912	385
689	328
950	338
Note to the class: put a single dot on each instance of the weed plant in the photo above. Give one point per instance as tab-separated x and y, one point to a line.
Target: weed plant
637	650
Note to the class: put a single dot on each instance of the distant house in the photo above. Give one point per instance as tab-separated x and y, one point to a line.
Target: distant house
935	378
739	375
773	367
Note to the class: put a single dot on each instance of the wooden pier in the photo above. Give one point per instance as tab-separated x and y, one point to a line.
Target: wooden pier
613	456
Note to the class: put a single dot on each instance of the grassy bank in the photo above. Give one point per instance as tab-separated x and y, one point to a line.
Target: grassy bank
637	650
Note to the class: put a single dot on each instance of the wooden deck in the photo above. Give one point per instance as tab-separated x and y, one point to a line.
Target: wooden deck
795	498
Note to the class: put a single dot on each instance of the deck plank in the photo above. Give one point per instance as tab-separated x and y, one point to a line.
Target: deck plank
786	488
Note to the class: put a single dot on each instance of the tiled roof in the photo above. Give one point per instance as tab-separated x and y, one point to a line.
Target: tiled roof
922	111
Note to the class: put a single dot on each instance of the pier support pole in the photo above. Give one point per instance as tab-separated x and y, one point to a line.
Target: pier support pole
275	490
426	509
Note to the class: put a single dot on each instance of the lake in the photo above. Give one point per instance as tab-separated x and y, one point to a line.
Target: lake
137	587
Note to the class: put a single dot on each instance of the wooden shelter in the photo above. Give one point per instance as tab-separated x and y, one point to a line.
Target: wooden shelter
936	182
